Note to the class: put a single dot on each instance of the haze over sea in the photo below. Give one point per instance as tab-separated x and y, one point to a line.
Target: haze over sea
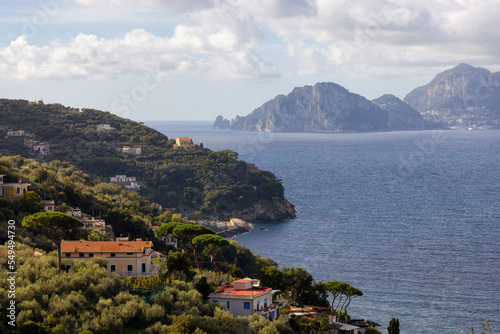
410	218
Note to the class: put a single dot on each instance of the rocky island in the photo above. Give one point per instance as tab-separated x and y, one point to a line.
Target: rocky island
464	97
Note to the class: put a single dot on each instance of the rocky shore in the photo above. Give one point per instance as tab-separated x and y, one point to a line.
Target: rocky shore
234	227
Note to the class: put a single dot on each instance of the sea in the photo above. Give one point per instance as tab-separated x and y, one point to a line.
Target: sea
412	219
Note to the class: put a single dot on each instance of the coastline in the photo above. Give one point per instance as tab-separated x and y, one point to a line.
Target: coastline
230	228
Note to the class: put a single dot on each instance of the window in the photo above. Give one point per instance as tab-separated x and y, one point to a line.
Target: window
143	267
227	304
272	314
257	305
113	268
130	253
91	254
113	255
215	301
68	254
81	255
246	305
130	267
265	302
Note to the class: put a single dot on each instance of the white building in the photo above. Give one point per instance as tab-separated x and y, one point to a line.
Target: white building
131	150
170	239
128	182
101	127
245	297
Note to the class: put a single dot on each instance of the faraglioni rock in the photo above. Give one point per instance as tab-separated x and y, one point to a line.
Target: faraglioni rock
221	123
329	107
462	97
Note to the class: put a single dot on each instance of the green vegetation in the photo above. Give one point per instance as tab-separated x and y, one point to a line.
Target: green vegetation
87	298
55	225
345	294
393	326
196	181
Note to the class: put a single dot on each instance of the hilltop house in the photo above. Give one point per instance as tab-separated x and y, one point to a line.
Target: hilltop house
125	258
245	297
131	150
183	142
13	189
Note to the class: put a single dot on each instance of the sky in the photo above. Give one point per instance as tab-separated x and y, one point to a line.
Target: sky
196	59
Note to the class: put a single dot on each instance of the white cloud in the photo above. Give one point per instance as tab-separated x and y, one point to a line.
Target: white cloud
190	51
218	38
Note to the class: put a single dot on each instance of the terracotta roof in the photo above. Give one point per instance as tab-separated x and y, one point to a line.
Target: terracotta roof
184	138
104	246
228	290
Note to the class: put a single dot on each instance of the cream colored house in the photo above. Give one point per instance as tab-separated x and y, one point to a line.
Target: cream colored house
13	189
125	258
245	297
183	142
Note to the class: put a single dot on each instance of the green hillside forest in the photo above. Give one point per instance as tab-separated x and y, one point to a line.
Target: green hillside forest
196	182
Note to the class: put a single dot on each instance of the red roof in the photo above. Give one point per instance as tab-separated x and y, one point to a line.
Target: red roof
228	290
104	246
184	138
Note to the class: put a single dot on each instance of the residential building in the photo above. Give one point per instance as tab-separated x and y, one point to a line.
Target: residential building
168	239
77	213
245	297
101	127
183	142
42	148
129	182
90	224
13	189
363	324
131	150
48	205
125	258
17	133
311	311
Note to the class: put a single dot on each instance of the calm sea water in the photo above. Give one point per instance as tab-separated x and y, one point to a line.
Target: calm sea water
410	218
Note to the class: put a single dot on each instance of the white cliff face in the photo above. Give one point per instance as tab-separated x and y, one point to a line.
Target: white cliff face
325	107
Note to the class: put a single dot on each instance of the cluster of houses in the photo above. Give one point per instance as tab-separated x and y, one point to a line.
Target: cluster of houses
40	147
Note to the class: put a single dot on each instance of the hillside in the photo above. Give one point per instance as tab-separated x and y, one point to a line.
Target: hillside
196	182
326	107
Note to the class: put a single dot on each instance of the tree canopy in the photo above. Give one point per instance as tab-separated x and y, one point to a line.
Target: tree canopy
211	242
55	225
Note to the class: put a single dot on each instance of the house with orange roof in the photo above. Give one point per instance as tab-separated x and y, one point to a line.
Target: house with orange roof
245	297
125	258
183	142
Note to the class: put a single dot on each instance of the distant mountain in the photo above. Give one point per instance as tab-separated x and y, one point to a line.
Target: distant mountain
462	97
329	107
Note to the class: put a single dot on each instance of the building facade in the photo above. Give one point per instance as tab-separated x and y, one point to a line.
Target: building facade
125	258
13	189
245	297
